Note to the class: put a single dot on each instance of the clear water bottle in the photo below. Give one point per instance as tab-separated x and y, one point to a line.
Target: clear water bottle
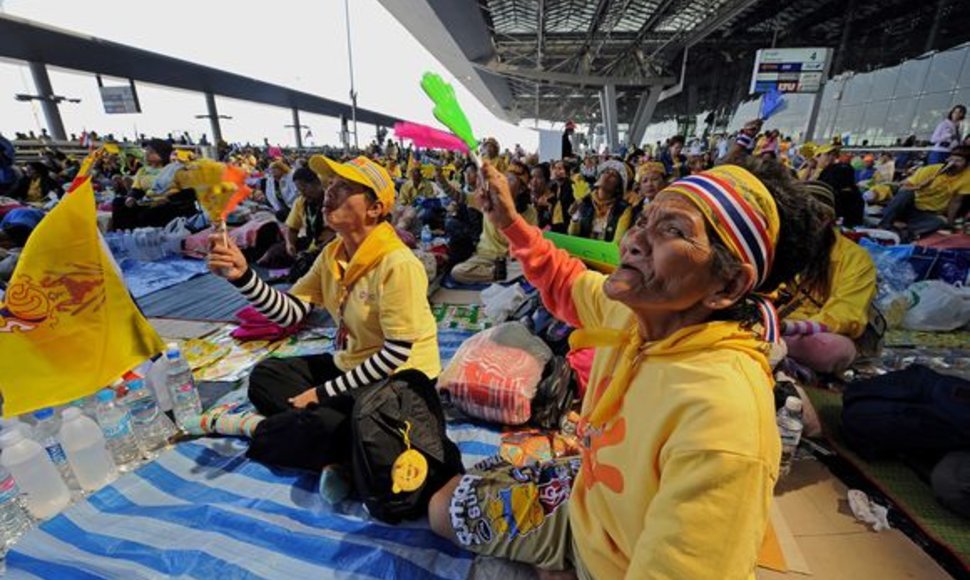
185	397
35	474
14	520
426	238
86	450
152	427
115	422
45	433
790	427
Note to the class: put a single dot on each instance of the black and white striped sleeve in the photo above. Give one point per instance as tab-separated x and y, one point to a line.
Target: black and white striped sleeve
282	308
375	369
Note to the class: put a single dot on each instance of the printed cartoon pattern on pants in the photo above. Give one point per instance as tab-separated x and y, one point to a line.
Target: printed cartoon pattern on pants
517	506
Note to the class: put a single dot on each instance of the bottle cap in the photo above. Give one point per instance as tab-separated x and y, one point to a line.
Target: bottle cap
793	404
105	395
70	413
172	351
44	414
136	384
10	437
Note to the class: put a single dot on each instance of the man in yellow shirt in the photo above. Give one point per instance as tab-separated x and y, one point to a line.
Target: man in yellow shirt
931	198
414	188
492	245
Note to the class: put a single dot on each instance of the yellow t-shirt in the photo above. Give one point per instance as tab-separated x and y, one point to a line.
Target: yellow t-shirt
851	289
493	244
390	301
409	193
145	177
935	196
679	483
297	218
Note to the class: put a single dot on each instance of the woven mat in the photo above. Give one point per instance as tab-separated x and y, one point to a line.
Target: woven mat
897	482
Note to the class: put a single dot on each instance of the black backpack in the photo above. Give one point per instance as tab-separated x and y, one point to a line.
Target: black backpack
379	417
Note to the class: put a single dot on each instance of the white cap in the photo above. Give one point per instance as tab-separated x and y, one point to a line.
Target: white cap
793	404
70	413
172	351
10	437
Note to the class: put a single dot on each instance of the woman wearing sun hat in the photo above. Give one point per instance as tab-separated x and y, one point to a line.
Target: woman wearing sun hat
368	281
679	446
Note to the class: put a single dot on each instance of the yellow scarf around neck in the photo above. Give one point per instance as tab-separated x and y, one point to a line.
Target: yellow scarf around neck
381	241
631	350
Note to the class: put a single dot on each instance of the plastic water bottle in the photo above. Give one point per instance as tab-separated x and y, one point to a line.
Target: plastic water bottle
14	520
115	422
152	427
86	450
790	427
426	238
45	433
34	473
185	398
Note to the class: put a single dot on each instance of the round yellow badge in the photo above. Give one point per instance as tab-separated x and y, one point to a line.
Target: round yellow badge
409	471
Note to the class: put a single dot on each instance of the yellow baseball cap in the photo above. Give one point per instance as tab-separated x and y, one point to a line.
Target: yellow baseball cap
360	170
828	148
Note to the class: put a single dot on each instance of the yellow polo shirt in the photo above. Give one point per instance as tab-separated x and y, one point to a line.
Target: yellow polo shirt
409	193
390	301
935	196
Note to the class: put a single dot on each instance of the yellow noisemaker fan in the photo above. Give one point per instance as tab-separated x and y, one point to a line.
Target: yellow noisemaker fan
219	188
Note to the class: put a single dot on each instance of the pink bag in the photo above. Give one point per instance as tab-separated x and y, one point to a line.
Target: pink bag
254	326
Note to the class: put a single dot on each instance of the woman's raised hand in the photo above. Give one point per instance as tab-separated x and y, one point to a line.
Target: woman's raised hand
224	260
495	198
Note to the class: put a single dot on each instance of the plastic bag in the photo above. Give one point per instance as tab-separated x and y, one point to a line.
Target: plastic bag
494	374
936	305
501	301
894	274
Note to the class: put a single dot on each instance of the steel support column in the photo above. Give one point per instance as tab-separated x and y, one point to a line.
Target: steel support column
645	109
610	121
42	82
297	128
213	114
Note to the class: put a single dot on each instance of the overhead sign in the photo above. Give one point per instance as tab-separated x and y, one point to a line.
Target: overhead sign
790	70
119	100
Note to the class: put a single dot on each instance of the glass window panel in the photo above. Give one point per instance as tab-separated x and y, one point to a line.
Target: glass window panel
932	108
945	71
884	83
964	81
961	97
874	121
899	123
857	90
848	120
911	77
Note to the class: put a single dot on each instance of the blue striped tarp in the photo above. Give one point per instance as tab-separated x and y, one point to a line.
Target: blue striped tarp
202	510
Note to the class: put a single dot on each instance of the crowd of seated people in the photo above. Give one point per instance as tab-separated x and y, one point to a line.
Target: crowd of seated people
688	291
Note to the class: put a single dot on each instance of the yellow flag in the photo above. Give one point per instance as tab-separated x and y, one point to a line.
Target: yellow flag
68	326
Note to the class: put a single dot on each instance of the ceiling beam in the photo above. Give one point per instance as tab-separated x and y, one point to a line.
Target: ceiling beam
648	25
560	78
594	26
707	26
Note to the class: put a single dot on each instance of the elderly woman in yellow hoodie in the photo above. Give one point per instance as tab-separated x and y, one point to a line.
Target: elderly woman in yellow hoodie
679	446
828	307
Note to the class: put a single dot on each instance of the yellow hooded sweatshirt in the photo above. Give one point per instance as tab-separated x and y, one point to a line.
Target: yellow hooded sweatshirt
852	286
677	483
